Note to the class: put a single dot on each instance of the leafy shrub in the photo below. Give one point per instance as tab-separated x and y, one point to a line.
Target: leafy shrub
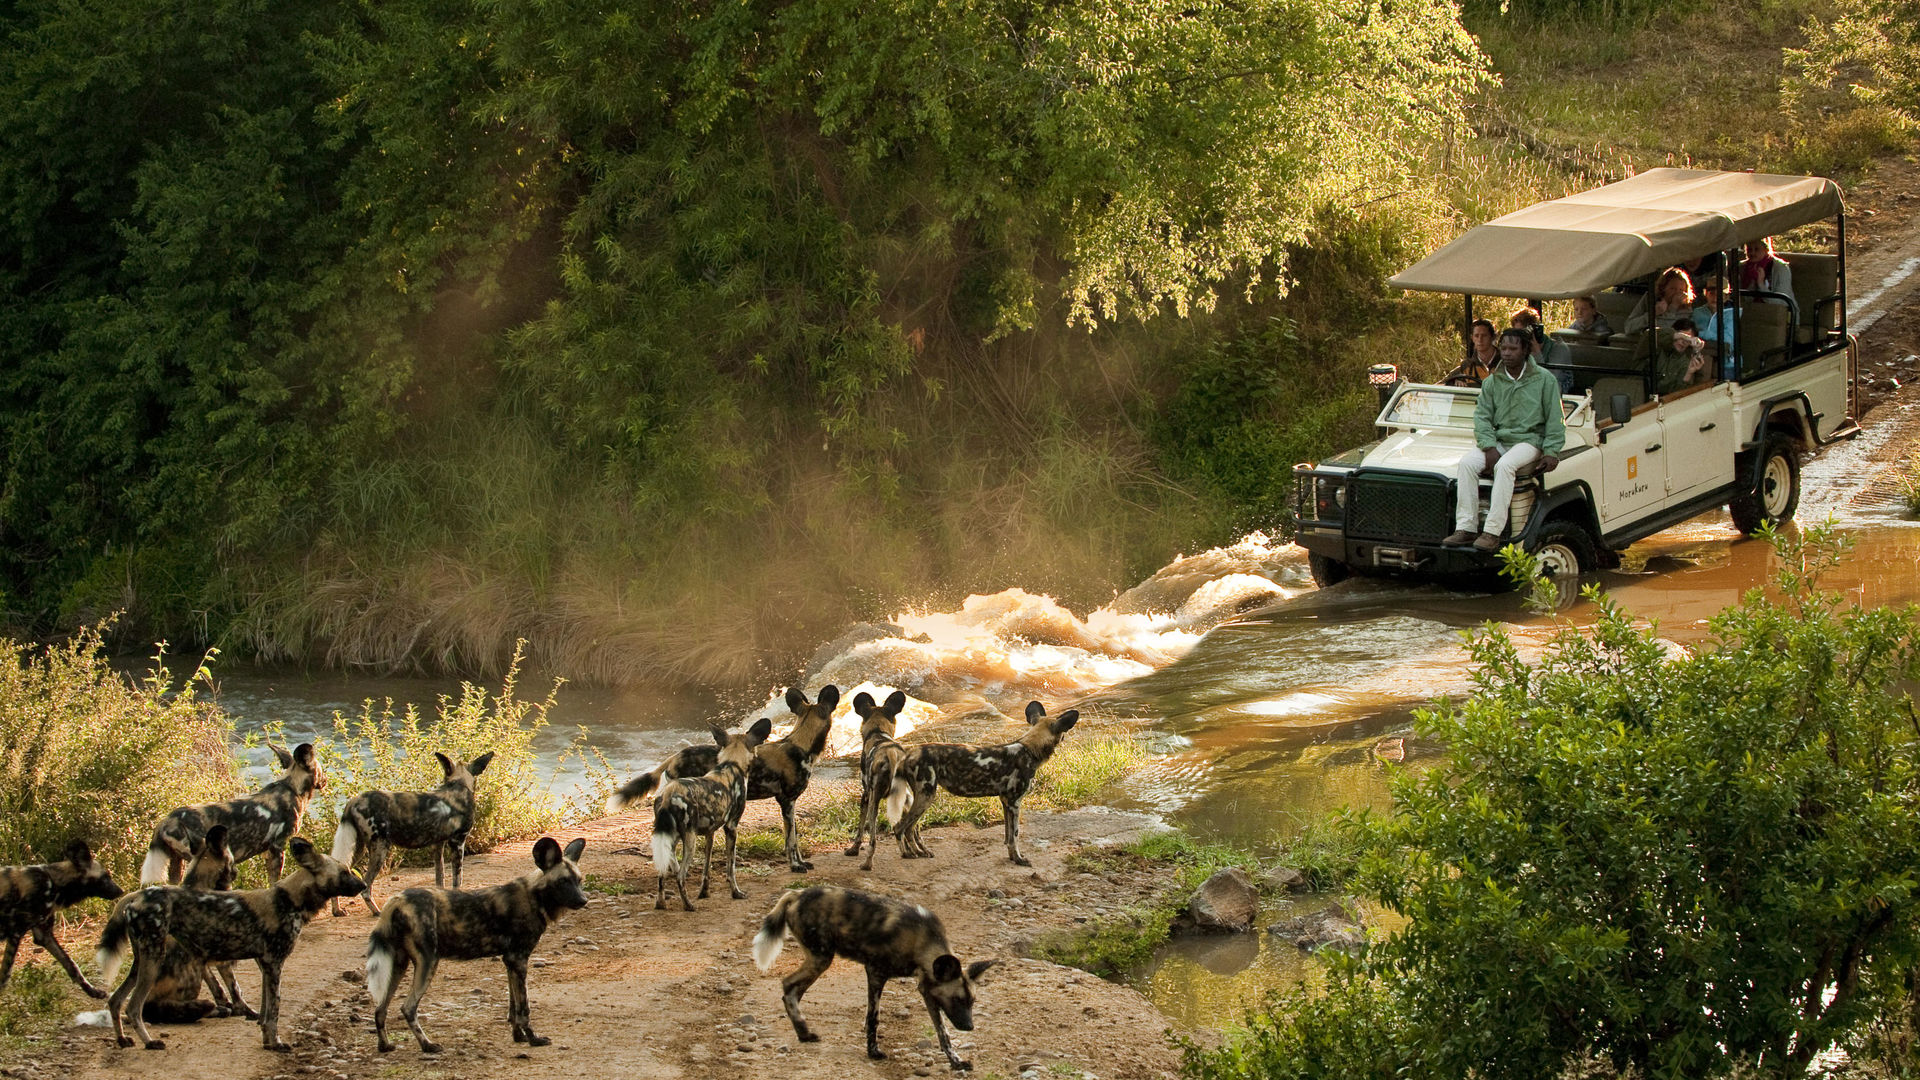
391	750
84	752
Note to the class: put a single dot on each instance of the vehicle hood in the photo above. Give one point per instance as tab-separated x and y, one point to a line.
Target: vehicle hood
1420	451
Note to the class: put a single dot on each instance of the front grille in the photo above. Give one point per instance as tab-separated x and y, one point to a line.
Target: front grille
1399	506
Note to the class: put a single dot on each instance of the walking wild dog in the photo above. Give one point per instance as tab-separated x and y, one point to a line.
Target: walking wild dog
425	926
973	772
780	770
699	805
31	895
376	822
175	998
880	759
258	924
893	939
260	822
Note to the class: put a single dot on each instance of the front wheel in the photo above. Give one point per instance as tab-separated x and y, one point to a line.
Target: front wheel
1564	549
1776	490
1327	571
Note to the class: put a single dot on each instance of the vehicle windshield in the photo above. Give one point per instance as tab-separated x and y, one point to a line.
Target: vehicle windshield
1445	407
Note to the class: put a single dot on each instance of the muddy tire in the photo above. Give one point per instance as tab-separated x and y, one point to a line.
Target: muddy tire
1776	486
1564	549
1327	571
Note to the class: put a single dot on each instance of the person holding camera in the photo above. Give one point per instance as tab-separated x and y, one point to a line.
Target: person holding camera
1685	362
1517	423
1553	355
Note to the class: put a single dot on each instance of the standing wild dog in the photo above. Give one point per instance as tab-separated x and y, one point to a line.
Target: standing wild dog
260	822
699	805
880	760
974	772
376	822
425	926
30	895
893	939
258	924
175	998
780	770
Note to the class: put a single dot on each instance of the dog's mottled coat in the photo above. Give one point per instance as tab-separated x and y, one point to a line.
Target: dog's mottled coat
700	806
262	822
974	772
425	926
30	896
376	822
880	778
781	768
891	938
175	998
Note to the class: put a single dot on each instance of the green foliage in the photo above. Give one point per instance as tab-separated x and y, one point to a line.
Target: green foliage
393	751
1682	863
86	753
38	1003
1872	48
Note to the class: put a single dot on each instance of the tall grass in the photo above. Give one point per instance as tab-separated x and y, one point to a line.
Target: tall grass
86	752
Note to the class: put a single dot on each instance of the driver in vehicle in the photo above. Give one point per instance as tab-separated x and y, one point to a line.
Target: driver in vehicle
1517	423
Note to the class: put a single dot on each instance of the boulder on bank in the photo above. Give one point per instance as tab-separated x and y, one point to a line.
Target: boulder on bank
1223	904
1285	879
1329	928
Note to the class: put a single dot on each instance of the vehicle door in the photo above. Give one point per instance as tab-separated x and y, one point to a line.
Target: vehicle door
1633	469
1699	441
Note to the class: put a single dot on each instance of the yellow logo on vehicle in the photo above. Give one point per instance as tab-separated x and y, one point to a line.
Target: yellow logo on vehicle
1633	467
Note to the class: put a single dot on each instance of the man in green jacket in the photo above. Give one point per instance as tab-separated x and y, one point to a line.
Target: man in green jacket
1516	424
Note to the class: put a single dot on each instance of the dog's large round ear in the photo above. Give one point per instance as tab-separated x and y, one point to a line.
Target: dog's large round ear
829	697
446	763
758	733
896	701
304	754
979	968
719	734
280	754
946	967
78	853
796	700
1035	711
863	704
479	765
303	853
1065	721
546	853
575	849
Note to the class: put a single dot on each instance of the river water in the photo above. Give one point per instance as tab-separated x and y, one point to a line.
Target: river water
1266	701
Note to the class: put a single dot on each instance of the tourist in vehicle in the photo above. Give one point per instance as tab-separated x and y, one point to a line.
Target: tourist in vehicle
1553	355
1672	300
1481	356
1587	320
1684	363
1717	328
1766	271
1516	423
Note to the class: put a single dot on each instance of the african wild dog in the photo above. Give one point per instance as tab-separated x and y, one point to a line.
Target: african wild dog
260	822
699	805
258	924
780	771
973	772
425	926
31	895
880	759
175	998
892	938
376	822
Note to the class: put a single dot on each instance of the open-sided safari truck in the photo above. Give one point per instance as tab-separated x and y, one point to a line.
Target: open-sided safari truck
1643	452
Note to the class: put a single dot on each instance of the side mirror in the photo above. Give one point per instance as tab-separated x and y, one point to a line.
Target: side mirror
1620	408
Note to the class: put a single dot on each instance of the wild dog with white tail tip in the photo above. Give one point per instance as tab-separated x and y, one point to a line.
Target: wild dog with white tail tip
975	772
880	778
30	896
175	998
261	925
891	938
425	926
700	806
780	771
261	822
376	822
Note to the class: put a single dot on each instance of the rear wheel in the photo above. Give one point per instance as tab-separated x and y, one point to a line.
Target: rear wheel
1564	549
1776	489
1327	571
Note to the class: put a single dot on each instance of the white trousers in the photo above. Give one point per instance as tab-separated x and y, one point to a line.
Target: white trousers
1472	466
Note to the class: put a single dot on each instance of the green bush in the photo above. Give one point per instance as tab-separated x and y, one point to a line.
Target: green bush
392	750
1682	864
86	752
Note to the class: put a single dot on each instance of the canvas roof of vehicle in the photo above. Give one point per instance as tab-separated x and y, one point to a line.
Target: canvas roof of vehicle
1585	242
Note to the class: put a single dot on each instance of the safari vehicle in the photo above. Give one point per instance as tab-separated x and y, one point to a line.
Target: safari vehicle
1641	455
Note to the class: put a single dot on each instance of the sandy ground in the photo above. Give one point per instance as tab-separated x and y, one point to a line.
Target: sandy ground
622	988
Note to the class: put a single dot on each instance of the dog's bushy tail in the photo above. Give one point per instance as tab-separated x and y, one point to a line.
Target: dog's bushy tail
666	835
773	932
382	950
115	943
898	798
346	839
634	790
154	870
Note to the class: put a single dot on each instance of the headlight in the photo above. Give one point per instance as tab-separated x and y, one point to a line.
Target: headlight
1329	498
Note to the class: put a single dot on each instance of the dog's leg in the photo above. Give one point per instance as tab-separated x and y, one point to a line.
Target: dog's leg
270	1004
795	861
400	960
1010	811
907	829
706	869
920	848
240	1006
684	865
860	821
876	982
43	937
379	849
6	961
794	987
422	974
146	969
439	865
276	861
174	865
954	1061
457	850
870	824
733	835
117	1001
210	977
518	1014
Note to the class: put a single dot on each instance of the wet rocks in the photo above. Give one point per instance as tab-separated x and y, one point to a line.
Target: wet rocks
1329	928
1285	879
1223	904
